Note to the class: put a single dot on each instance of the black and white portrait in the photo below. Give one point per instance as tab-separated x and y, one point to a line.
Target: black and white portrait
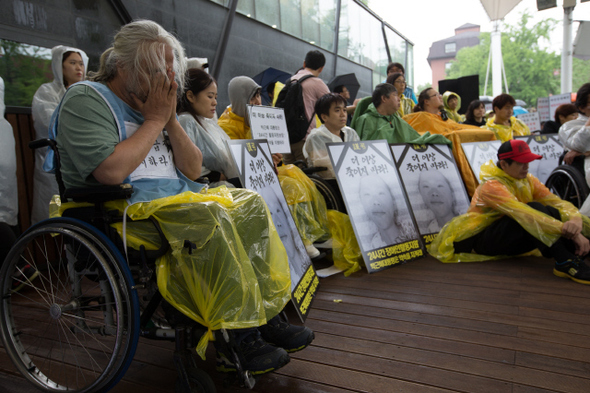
434	183
375	199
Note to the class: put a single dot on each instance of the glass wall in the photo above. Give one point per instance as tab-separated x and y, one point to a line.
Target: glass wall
24	68
361	35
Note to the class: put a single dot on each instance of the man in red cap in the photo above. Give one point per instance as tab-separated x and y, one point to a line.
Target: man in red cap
512	213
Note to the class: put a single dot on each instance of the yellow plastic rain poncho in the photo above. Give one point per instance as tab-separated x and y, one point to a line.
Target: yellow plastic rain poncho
453	114
406	105
234	125
315	222
456	133
506	133
499	195
346	252
238	274
307	205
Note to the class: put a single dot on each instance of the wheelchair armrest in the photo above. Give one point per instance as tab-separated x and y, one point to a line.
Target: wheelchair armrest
39	143
314	169
99	194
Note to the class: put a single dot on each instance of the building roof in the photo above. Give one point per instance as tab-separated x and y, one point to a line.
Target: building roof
437	49
467	26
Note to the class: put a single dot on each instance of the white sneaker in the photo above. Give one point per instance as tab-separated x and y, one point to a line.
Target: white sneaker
312	251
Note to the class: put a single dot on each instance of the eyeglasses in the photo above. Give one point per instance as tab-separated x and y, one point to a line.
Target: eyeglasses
435	95
401	82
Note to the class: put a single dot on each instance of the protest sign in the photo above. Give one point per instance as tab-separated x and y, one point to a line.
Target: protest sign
377	205
531	120
430	175
254	162
268	123
478	153
557	100
543	109
548	146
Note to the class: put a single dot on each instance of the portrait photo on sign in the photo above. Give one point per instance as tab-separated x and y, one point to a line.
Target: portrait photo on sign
374	196
430	176
478	153
550	148
254	162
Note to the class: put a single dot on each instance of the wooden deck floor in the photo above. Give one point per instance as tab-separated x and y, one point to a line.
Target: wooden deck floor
503	326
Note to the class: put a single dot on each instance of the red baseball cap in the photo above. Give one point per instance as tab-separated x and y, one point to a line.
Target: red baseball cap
518	150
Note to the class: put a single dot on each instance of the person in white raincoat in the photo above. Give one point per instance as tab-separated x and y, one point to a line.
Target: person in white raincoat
575	136
69	66
331	110
196	114
8	189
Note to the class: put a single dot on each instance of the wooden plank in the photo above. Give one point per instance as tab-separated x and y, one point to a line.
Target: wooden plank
448	365
389	307
423	318
415	341
458	335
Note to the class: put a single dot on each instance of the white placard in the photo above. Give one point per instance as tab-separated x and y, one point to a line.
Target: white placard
531	120
548	146
478	153
159	162
555	101
254	162
377	204
267	122
431	177
543	109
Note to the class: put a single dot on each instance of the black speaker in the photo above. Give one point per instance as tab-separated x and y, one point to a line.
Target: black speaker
466	87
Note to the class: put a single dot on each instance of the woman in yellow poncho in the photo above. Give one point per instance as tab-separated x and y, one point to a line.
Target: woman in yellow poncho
504	125
406	105
512	213
426	117
452	103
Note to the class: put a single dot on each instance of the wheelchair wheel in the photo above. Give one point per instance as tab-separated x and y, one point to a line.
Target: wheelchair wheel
199	381
333	200
569	184
76	326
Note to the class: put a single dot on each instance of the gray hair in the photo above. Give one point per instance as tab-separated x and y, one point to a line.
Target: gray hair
139	47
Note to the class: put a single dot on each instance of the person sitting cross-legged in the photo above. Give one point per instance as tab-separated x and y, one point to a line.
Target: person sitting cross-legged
513	213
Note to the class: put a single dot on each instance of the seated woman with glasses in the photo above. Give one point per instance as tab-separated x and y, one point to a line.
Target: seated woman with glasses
406	105
429	115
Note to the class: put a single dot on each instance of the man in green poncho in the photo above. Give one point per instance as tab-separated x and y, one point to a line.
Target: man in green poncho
381	121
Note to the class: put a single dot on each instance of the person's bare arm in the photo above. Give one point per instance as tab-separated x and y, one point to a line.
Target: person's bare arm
351	108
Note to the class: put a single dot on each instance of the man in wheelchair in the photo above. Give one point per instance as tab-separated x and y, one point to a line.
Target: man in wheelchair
513	213
227	267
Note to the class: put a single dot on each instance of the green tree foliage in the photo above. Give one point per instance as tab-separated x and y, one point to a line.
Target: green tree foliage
580	73
421	87
23	69
531	70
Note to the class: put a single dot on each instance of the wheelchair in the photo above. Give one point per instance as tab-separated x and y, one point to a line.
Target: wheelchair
77	326
328	188
569	181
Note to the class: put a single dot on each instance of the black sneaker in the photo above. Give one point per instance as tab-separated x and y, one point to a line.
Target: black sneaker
23	276
574	269
291	338
257	356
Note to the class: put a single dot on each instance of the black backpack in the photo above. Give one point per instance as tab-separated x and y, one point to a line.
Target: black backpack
291	100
